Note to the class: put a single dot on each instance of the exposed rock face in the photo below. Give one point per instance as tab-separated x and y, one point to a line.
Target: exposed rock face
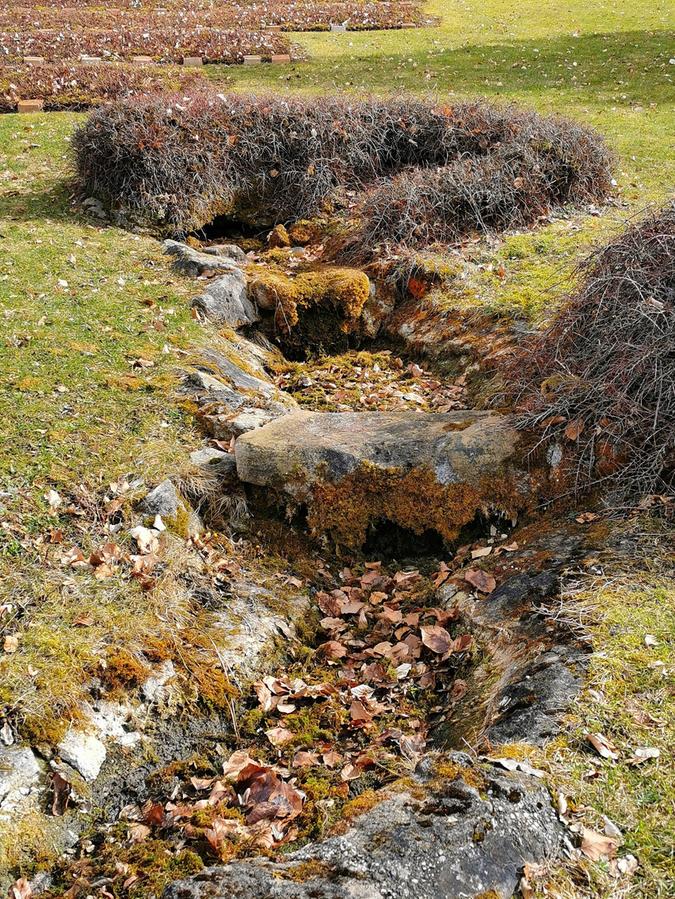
453	844
20	773
225	301
421	471
534	663
233	392
196	262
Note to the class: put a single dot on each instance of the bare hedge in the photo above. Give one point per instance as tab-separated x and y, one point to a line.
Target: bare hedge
80	86
550	163
599	382
174	163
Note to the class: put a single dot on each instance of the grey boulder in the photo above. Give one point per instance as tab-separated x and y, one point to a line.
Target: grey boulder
454	843
457	446
195	262
225	301
417	470
163	500
227	251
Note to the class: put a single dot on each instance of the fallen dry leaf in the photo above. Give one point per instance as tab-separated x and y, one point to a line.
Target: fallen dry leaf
480	580
146	539
597	846
61	788
21	889
436	638
481	552
11	643
603	746
643	754
585	517
574	429
279	736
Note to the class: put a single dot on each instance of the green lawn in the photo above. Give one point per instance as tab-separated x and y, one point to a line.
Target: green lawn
80	303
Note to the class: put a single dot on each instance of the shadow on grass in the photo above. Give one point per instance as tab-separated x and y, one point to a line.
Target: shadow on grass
52	202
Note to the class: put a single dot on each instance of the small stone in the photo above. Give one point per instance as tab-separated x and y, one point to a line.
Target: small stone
194	61
85	752
164	500
252	60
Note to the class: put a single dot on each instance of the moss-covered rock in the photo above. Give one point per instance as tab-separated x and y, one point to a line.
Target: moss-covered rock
317	308
419	471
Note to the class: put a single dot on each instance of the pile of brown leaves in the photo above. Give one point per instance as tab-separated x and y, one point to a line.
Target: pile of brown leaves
382	382
251	804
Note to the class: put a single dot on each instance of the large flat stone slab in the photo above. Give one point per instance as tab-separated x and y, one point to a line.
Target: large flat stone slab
420	471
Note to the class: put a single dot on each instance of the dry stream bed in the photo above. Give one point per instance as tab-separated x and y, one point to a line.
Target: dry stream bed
373	665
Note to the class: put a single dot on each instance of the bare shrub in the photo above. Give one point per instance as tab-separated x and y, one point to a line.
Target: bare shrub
543	164
79	86
165	43
175	163
599	382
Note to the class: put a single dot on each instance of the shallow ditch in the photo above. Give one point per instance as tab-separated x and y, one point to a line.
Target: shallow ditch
410	648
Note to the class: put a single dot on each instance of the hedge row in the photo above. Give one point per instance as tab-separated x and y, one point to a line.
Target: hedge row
166	43
548	163
81	86
174	163
305	15
599	383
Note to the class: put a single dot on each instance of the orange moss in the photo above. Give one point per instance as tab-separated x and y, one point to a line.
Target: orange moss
343	291
306	871
123	669
414	500
304	232
451	771
363	803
